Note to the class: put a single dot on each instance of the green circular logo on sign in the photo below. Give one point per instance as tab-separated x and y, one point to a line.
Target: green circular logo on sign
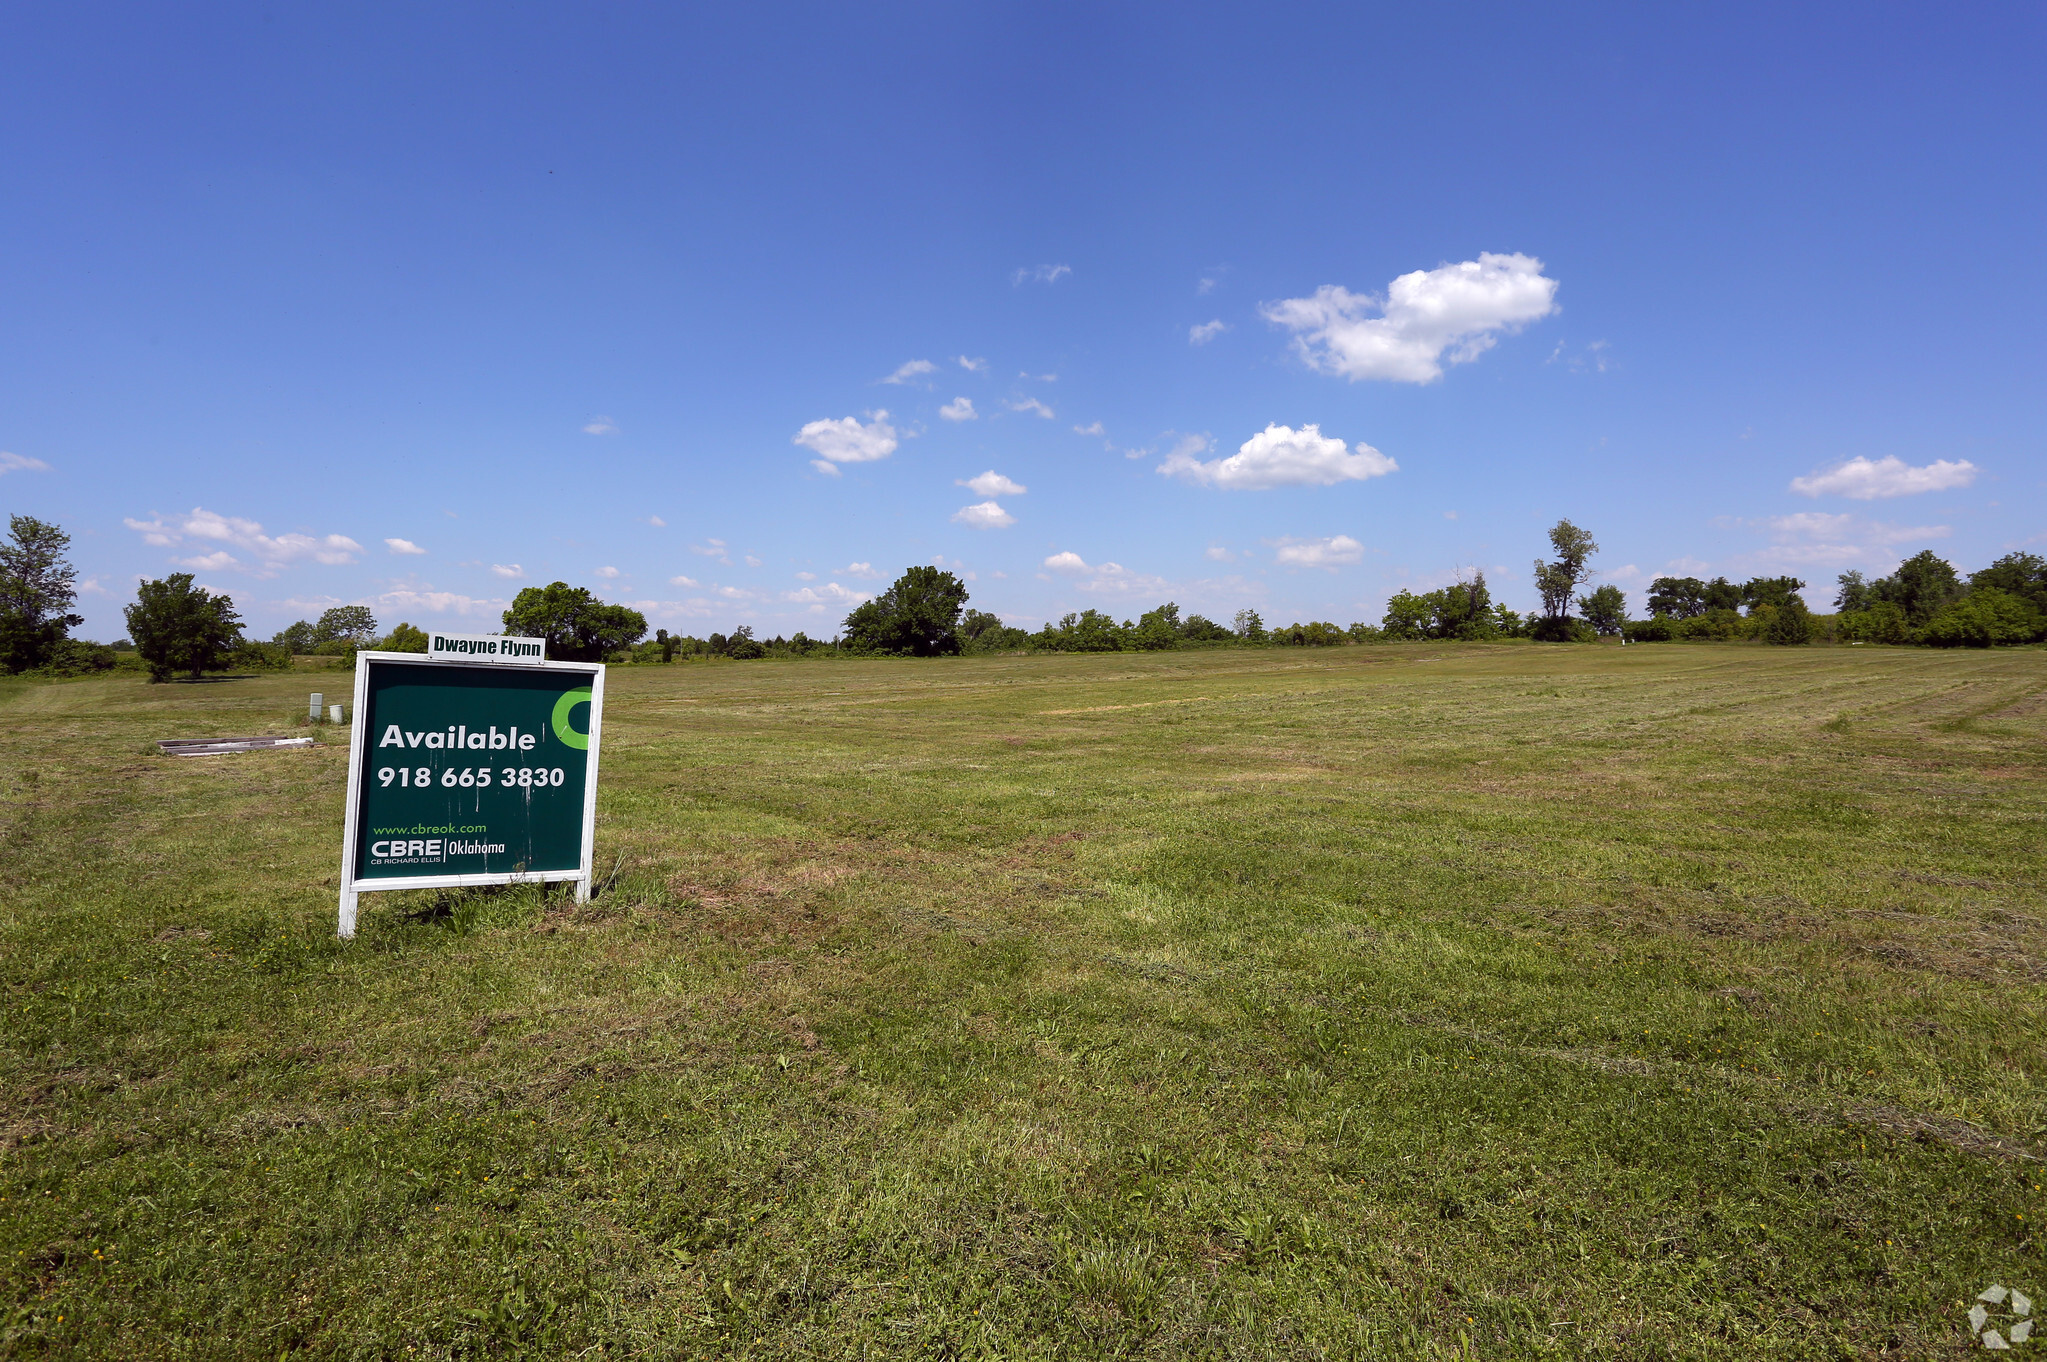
569	700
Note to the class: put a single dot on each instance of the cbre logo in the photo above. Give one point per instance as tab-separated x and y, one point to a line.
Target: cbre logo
560	719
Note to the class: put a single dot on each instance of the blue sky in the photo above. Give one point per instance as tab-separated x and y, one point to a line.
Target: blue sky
415	308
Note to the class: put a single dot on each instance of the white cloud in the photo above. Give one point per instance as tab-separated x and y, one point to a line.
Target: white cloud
601	425
959	409
1110	578
1332	552
992	484
973	366
806	576
657	522
1279	456
1205	286
1042	274
1092	428
846	440
1206	332
1818	540
828	469
509	571
1217	553
21	463
985	515
682	581
609	574
439	603
915	368
864	571
752	561
831	594
1862	479
403	546
272	554
1459	308
1031	404
91	587
712	548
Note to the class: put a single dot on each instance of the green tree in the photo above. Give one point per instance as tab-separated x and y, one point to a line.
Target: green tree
1558	579
178	627
1605	609
36	592
298	638
1985	618
742	646
1158	630
1201	629
1921	586
1790	623
346	624
1679	598
1876	622
1853	593
2021	574
919	616
1721	594
1408	617
1318	634
1761	591
577	626
1463	610
1249	626
406	639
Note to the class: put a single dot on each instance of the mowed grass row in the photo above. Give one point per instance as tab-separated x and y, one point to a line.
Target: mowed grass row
1402	1001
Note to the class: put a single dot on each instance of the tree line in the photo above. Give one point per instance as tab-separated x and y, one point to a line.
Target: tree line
177	627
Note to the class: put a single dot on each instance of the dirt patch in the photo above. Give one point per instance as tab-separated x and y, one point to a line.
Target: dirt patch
170	934
1948	1130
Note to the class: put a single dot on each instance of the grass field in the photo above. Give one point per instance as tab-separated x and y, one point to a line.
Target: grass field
1426	1001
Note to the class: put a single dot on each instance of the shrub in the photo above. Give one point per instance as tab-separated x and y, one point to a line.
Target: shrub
77	657
1720	625
1790	623
251	656
1563	629
1318	635
1881	622
1985	618
1655	629
405	639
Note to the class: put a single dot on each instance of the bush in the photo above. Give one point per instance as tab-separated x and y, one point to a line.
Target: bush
1790	623
1563	629
1881	622
251	656
405	639
1985	618
77	657
1655	629
1719	625
1317	635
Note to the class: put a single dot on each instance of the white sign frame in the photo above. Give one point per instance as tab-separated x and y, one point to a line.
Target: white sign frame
358	740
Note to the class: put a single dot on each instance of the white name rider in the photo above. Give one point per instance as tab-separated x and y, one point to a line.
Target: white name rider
485	648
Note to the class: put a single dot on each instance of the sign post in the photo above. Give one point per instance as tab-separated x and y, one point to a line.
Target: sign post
473	764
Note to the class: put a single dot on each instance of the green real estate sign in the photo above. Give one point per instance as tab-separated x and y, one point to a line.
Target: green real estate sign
470	772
